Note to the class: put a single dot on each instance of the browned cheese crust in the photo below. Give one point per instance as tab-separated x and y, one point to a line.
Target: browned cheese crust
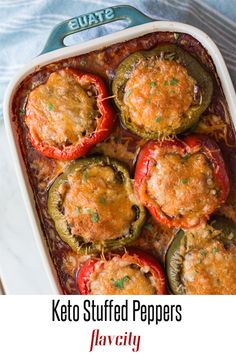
158	93
96	205
183	186
209	266
60	111
120	276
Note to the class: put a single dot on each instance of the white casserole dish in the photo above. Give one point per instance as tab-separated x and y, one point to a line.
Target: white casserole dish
120	12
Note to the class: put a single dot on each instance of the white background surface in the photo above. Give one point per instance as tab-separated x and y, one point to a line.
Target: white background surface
21	268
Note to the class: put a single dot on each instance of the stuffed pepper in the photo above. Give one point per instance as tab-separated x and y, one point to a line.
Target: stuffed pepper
94	207
68	114
131	273
202	260
181	182
161	92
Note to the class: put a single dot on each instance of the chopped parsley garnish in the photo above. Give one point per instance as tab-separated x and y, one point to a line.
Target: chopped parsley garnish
50	107
78	209
22	111
203	253
186	157
95	217
148	101
184	180
83	62
158	119
173	81
87	211
215	250
170	56
176	36
149	227
120	282
85	175
128	93
153	84
102	200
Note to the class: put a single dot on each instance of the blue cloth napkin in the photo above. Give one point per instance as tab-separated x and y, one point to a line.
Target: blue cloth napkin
26	24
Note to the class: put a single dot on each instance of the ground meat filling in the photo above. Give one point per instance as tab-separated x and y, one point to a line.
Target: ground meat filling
158	94
183	186
61	111
96	204
120	276
210	270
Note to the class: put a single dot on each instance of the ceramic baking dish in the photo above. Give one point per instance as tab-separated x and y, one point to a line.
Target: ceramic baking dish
55	50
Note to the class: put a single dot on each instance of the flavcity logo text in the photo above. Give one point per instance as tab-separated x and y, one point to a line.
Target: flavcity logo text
126	339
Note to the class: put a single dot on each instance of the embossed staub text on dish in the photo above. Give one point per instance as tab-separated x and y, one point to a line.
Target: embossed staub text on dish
93	18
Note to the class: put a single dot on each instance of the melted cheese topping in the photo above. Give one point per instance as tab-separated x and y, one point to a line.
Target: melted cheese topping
96	205
210	270
158	94
183	187
120	276
60	112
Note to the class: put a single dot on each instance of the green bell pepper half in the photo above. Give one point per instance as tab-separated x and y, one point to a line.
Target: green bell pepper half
55	208
168	52
174	258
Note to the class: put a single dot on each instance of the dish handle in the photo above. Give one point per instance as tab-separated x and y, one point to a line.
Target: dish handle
130	14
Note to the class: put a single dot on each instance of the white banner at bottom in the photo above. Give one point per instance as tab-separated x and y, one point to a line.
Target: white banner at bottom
118	324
